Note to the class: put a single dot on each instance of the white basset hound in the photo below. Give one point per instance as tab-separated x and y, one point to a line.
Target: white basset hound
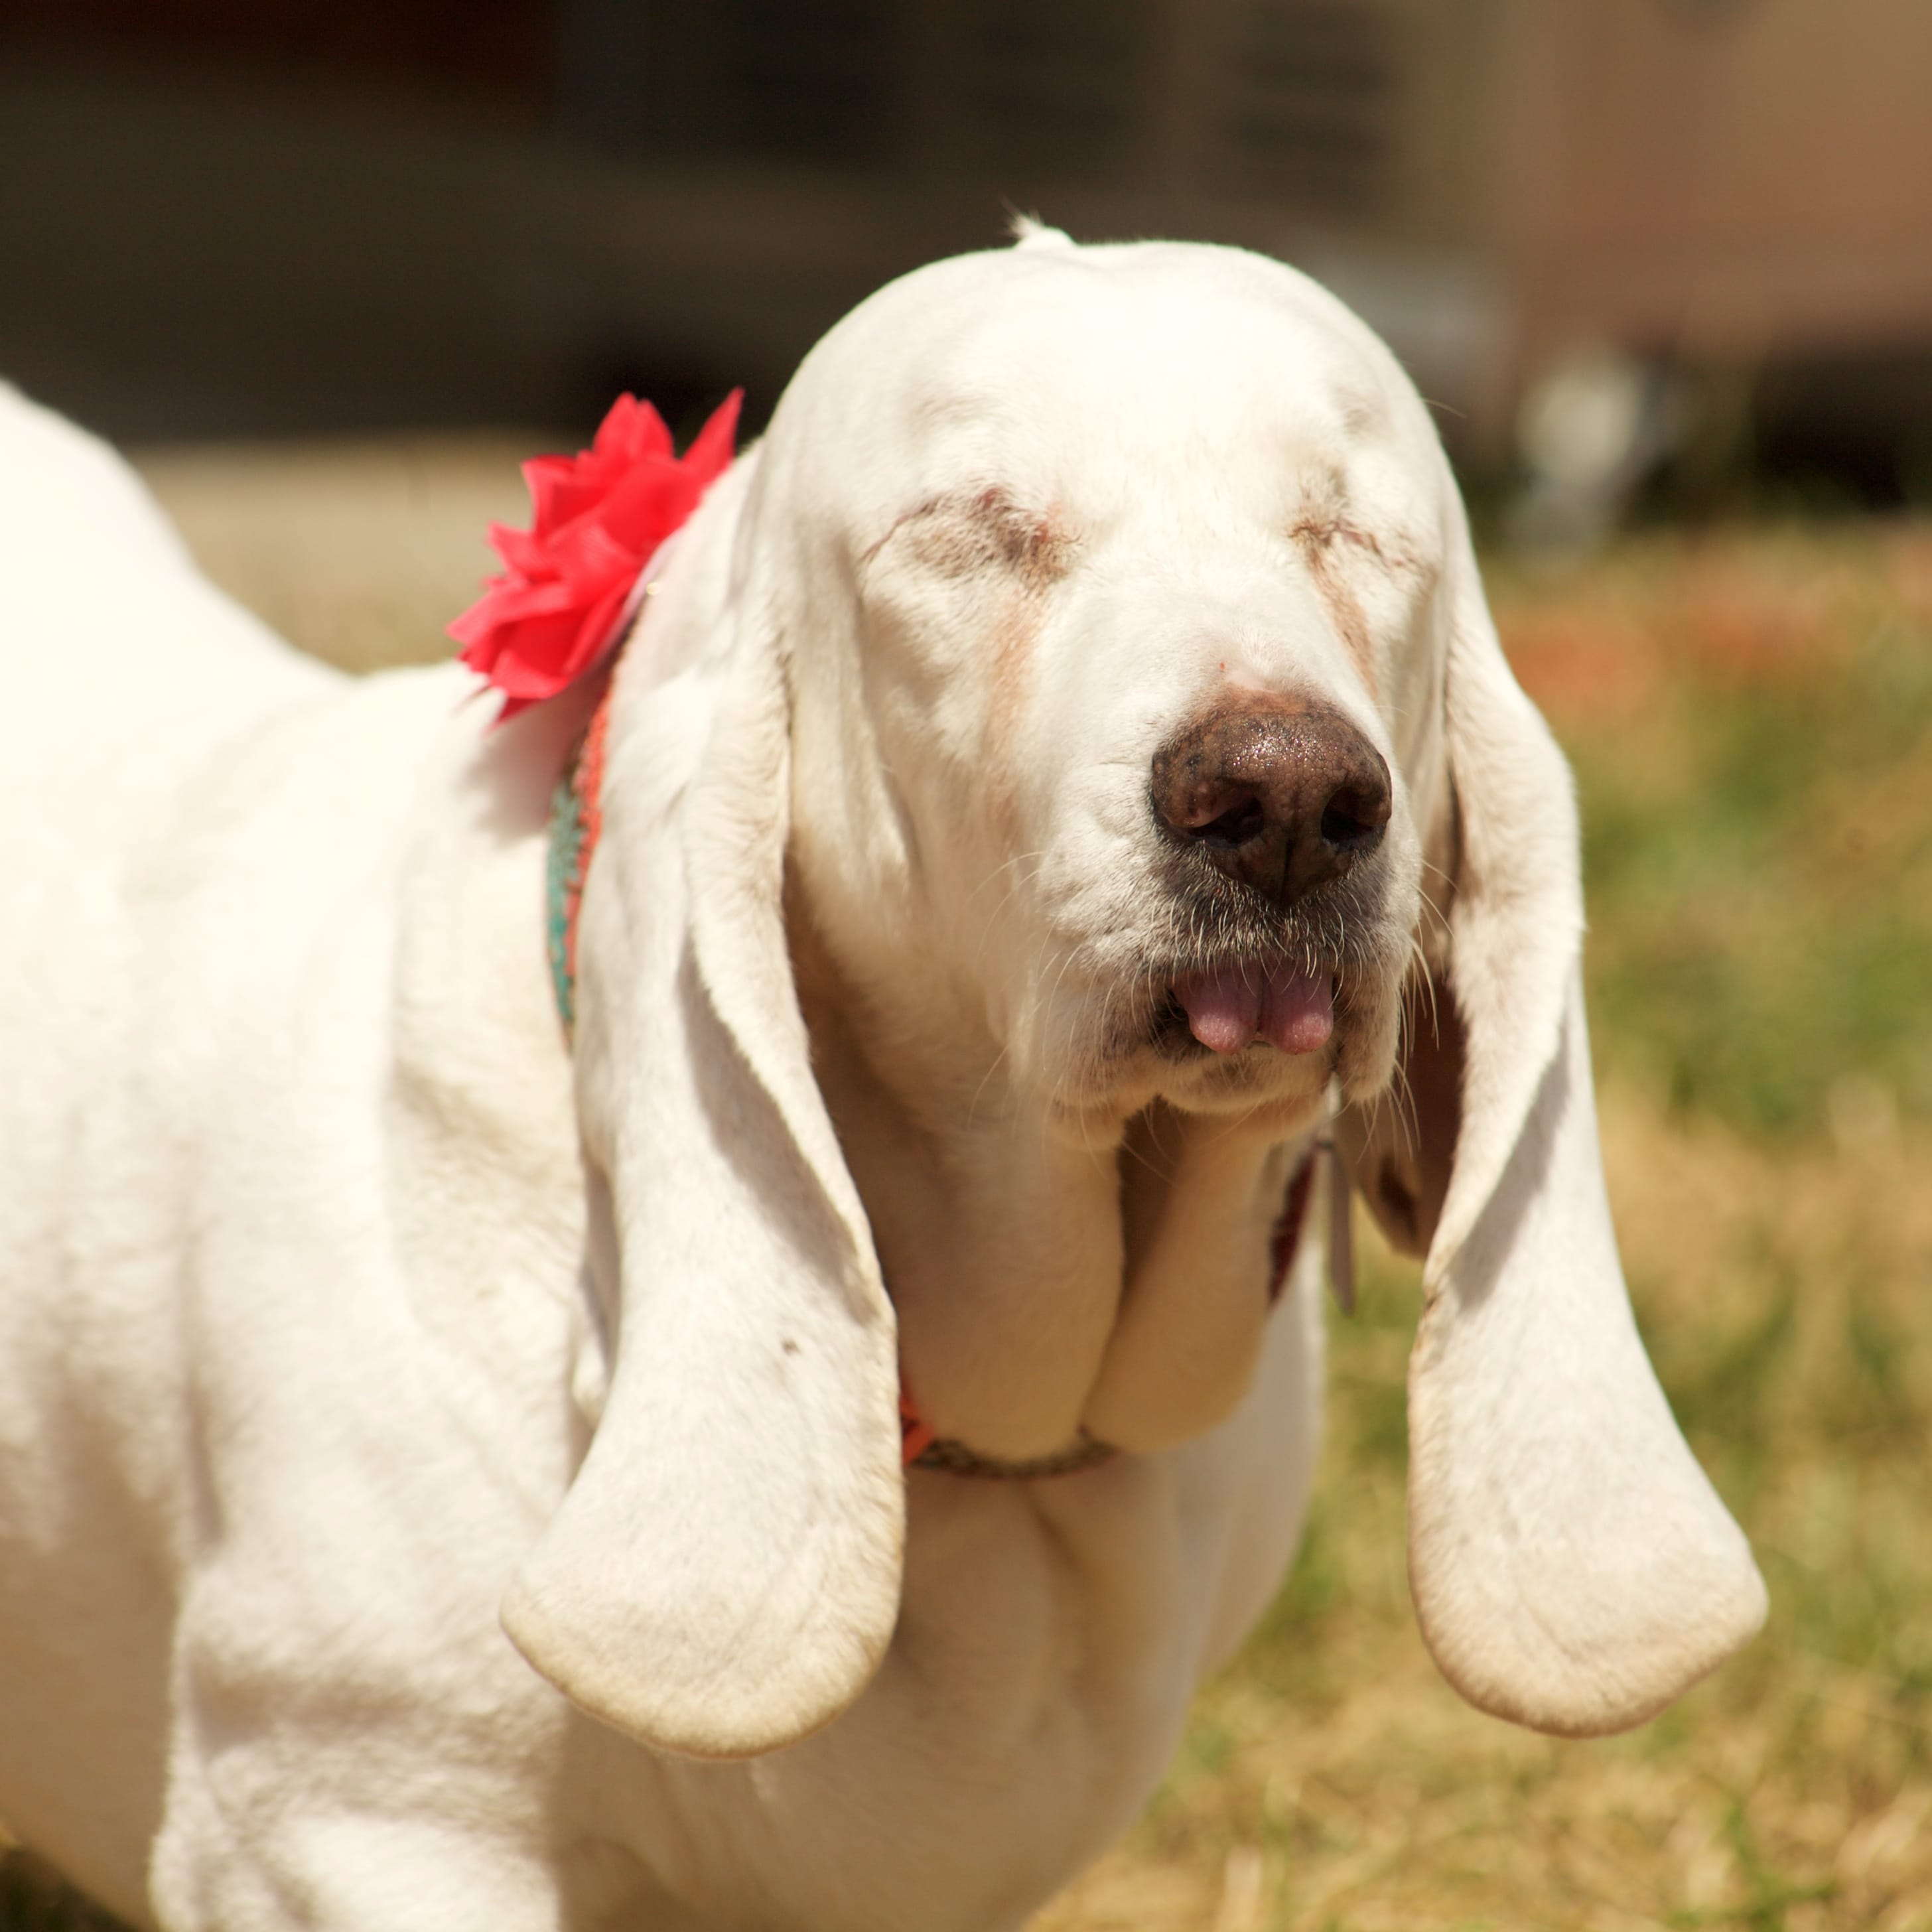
451	1477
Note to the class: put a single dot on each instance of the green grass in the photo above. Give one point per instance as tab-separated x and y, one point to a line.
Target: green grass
1756	787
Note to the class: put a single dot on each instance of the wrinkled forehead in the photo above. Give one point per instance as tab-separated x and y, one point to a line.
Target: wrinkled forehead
1087	375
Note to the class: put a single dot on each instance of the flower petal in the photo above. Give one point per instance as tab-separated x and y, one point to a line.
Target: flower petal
553	614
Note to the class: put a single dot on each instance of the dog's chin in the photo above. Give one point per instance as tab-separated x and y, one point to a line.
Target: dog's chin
1139	1046
1197	1078
1210	999
1358	1056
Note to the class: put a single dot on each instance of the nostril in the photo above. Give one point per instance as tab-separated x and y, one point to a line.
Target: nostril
1352	822
1236	826
1210	810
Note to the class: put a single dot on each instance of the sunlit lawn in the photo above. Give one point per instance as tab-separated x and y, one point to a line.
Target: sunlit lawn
1750	716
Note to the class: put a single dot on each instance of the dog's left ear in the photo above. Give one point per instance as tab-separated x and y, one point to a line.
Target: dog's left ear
1572	1567
723	1576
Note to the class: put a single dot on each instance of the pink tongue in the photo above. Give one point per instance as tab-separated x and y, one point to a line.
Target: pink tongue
1293	1011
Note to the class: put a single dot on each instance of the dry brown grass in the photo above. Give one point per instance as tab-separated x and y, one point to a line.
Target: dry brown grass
1752	719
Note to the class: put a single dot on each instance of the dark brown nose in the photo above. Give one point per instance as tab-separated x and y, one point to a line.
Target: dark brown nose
1282	796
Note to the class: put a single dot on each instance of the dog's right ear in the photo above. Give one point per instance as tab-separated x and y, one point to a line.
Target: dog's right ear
723	1576
1572	1567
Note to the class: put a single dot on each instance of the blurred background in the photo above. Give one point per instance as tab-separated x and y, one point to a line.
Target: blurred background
1664	268
1609	239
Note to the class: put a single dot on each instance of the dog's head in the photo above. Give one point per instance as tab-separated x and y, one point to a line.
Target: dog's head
1094	652
1126	634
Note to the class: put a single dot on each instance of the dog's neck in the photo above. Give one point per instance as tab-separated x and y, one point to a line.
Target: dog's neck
1055	1275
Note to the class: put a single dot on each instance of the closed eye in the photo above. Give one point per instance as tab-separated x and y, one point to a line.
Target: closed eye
962	532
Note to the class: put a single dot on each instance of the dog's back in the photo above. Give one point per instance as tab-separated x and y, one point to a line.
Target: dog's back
122	664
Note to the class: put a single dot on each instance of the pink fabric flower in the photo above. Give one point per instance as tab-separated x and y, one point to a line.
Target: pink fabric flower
554	613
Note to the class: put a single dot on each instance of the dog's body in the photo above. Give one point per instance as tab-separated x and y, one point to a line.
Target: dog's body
340	1301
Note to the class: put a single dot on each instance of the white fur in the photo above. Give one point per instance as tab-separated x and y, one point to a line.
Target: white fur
344	1307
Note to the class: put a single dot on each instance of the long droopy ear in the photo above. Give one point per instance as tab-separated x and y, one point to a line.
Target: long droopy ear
1573	1569
723	1576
